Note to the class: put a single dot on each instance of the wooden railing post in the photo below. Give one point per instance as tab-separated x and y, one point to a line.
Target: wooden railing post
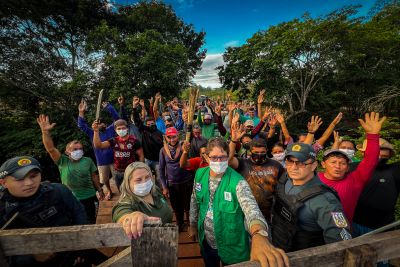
159	247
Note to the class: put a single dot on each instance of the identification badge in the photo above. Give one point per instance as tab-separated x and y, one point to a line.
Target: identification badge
339	219
198	187
228	196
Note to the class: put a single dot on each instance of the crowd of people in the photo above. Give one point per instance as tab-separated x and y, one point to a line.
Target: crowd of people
241	185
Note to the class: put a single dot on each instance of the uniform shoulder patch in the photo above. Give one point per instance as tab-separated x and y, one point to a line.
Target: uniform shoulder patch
339	219
198	187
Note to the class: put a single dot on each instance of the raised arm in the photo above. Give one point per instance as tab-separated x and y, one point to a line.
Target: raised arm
237	132
82	125
312	127
155	107
144	112
114	114
218	119
96	137
325	136
183	162
284	129
46	127
260	101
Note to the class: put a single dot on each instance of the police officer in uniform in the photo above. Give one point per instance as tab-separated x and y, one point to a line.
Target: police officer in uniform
26	202
306	213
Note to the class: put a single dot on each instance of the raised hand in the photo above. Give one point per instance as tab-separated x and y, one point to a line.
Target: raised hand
82	107
260	98
104	104
279	117
95	126
337	119
218	110
186	146
237	131
135	101
151	100
272	121
236	118
337	140
267	113
44	123
314	124
141	102
372	123
121	100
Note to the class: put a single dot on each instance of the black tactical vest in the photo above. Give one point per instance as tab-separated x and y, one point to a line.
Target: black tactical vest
46	209
285	231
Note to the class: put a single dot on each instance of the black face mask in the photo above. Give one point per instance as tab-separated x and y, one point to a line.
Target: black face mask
152	127
382	162
246	146
259	159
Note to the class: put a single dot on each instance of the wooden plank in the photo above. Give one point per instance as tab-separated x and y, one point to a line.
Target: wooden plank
161	244
55	239
386	245
122	259
364	256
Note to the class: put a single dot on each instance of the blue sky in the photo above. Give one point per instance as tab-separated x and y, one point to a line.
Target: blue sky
231	23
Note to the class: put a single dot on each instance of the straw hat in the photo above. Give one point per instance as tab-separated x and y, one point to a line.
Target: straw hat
382	144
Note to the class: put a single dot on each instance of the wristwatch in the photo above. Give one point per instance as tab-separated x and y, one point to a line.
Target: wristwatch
261	232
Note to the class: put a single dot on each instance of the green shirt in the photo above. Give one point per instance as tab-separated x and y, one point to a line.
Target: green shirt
128	205
77	176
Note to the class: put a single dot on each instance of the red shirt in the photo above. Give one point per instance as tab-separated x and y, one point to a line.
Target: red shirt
196	163
350	187
124	151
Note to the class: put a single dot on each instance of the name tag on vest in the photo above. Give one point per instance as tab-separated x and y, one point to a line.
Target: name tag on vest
198	187
44	215
228	196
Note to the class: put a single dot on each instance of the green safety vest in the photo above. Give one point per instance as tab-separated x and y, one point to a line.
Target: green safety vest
230	233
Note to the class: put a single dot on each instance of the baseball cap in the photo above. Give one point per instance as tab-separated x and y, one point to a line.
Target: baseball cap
171	131
336	151
383	143
18	167
208	116
300	151
249	123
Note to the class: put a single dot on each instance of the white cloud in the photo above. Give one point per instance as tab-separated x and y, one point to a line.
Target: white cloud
231	43
207	76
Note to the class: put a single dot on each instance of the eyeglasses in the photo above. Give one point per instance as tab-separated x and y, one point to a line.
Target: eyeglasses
215	158
291	163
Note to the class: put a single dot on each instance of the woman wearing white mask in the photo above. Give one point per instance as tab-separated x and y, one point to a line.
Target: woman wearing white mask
224	215
140	200
278	153
77	172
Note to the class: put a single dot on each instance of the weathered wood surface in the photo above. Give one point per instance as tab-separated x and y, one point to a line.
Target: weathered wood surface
386	245
122	259
363	255
157	248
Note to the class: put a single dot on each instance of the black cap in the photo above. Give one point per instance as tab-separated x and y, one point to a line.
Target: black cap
18	167
300	151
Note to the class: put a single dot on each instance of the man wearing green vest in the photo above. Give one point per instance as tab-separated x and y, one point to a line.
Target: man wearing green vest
222	209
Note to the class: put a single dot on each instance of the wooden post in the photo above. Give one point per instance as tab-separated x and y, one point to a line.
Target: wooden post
159	247
362	256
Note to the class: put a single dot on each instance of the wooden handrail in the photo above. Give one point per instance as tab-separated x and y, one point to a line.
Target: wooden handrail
386	245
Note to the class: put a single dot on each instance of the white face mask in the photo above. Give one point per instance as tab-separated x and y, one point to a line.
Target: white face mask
76	154
122	132
218	166
143	189
279	156
349	152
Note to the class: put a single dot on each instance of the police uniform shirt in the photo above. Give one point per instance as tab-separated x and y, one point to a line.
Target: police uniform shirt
322	212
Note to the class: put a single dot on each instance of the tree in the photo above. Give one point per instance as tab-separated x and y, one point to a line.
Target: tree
148	49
